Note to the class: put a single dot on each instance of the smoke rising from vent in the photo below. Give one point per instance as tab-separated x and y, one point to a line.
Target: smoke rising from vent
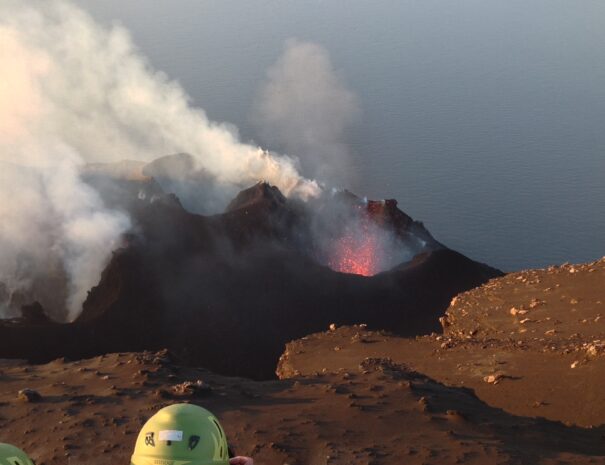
72	91
305	108
103	99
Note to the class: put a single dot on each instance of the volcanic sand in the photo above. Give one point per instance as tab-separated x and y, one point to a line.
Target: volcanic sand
484	392
91	411
540	335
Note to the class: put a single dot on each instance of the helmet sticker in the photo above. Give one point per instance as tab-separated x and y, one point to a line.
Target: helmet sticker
170	435
149	440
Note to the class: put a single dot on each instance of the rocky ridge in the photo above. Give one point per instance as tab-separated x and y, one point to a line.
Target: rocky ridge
191	282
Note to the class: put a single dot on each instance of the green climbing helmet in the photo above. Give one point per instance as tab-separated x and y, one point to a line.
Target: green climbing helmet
181	434
11	455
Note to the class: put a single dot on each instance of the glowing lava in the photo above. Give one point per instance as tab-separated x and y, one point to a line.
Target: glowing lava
357	251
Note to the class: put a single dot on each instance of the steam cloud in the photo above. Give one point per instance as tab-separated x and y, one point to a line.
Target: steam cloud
72	91
305	108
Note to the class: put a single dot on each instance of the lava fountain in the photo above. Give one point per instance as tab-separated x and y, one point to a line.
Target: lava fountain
365	248
359	250
367	237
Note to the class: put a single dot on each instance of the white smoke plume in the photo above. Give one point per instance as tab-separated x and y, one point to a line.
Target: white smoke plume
72	91
306	108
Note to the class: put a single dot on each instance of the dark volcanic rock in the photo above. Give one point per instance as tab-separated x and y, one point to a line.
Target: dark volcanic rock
34	314
260	195
29	395
228	291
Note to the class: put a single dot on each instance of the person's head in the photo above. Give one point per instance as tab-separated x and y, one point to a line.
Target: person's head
181	432
11	455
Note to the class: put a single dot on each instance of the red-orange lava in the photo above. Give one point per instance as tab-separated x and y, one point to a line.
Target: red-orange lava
356	252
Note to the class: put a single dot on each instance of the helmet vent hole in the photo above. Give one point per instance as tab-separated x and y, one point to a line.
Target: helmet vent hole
220	431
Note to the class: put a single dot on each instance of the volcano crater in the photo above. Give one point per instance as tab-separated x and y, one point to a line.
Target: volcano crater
228	291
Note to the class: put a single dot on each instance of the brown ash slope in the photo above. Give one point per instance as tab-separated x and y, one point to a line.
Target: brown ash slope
377	412
531	343
197	283
356	396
